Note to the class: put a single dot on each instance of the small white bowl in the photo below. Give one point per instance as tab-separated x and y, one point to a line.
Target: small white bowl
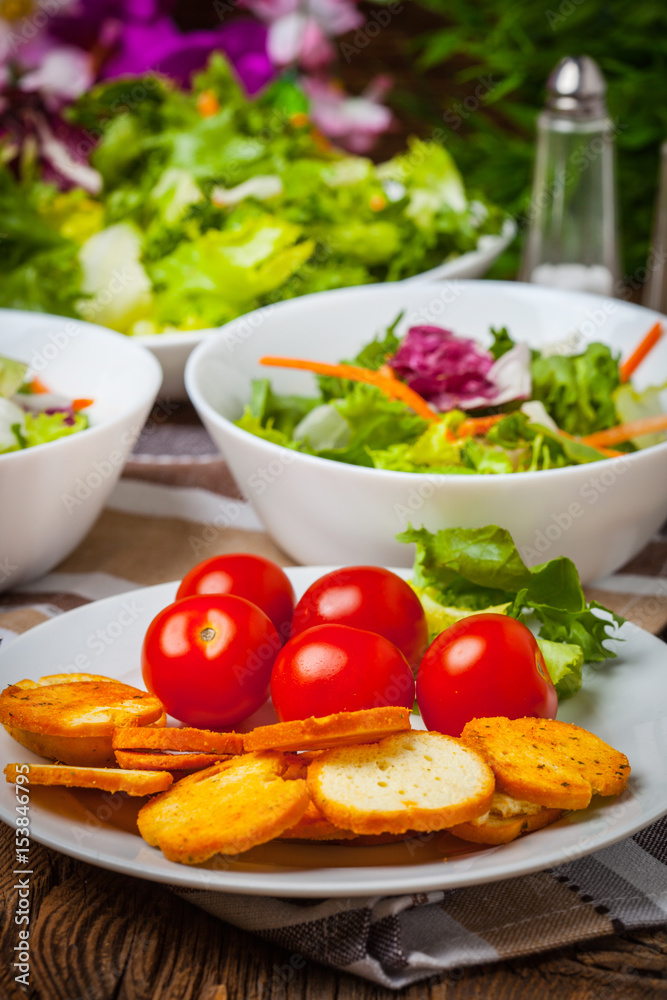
324	512
51	494
173	349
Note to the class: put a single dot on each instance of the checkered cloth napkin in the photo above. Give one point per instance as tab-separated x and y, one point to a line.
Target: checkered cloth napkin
178	504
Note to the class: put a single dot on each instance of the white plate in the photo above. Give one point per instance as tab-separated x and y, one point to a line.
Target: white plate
172	350
623	702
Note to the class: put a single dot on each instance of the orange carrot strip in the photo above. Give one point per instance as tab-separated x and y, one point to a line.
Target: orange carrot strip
390	386
37	386
474	426
625	432
645	345
81	404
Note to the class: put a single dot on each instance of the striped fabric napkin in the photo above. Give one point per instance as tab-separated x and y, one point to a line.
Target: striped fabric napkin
176	505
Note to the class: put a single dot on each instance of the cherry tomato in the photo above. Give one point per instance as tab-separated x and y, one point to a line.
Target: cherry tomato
335	668
484	665
370	598
257	579
208	659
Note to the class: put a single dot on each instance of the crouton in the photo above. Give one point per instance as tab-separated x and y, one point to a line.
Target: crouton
107	779
506	820
159	760
226	809
410	781
320	733
177	738
547	762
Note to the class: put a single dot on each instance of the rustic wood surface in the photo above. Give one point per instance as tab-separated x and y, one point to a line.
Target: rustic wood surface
96	935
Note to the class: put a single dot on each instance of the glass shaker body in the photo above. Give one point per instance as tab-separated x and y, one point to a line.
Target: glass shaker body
572	240
655	289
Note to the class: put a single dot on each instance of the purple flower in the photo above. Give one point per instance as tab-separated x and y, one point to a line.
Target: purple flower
161	47
455	373
139	36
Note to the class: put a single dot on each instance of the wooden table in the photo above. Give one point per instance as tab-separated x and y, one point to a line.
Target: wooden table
96	935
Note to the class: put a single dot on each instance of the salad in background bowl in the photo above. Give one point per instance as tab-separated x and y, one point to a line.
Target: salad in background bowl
196	207
599	513
60	467
30	414
436	402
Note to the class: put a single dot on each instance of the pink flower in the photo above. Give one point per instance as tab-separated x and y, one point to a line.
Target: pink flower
352	122
299	30
60	73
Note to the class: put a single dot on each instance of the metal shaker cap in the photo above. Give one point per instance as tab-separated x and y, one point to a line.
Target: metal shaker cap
576	88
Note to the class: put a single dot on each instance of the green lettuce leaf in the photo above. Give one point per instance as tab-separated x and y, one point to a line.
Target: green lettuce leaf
40	428
12	375
633	405
476	568
502	342
577	391
564	661
222	274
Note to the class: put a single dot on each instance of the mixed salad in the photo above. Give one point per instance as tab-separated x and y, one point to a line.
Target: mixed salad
436	402
30	414
194	207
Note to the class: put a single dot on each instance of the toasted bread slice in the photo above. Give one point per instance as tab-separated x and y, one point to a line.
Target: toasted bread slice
80	751
410	781
313	826
160	760
321	733
506	820
75	707
298	763
175	738
546	762
226	809
108	779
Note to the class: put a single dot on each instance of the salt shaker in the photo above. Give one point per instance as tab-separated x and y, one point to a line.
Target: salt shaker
572	239
655	288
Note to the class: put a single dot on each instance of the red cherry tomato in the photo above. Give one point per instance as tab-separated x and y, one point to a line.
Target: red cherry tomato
257	579
209	658
484	665
335	668
369	598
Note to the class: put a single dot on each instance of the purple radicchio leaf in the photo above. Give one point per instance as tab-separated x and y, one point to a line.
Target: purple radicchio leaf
453	372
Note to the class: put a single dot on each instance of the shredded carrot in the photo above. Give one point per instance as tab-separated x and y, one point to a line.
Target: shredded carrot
625	432
207	104
37	386
474	426
299	119
390	385
645	345
81	404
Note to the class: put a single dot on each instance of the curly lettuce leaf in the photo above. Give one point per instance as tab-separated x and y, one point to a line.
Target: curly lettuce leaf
221	274
577	390
476	568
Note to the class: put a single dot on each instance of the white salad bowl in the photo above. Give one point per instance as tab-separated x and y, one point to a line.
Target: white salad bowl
172	350
320	511
51	494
